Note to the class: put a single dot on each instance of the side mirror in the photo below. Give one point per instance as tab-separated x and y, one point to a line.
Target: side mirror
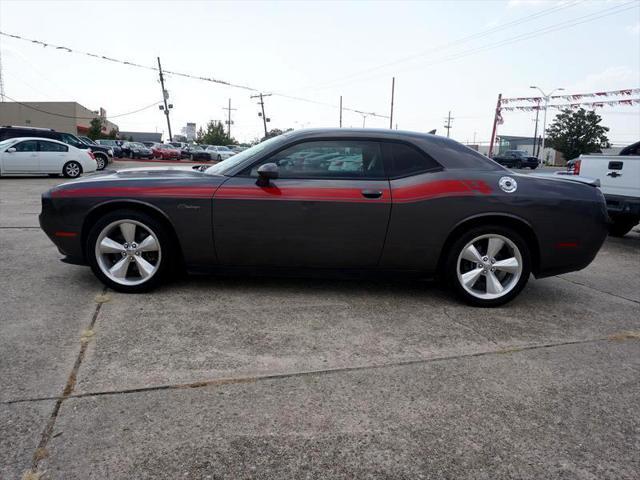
266	172
11	150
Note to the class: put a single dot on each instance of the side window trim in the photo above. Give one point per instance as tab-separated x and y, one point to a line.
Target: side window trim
321	139
389	160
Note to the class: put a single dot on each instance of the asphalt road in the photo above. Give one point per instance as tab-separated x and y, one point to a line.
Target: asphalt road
278	378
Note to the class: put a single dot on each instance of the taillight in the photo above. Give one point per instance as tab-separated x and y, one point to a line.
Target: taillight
576	167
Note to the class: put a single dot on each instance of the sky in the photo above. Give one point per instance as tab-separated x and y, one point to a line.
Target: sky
445	55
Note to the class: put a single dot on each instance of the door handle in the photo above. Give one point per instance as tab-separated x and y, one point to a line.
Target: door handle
371	193
614	174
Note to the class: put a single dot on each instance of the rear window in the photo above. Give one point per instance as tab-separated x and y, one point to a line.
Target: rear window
407	160
452	154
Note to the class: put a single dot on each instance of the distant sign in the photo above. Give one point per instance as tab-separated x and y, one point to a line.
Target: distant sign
190	132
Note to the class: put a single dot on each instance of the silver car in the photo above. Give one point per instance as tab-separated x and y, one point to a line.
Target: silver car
219	152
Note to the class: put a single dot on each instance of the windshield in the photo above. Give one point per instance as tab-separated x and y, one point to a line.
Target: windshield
6	143
222	167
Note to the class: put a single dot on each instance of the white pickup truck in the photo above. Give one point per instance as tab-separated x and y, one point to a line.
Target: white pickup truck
619	177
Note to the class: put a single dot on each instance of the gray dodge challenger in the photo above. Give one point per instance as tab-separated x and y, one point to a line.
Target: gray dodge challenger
332	200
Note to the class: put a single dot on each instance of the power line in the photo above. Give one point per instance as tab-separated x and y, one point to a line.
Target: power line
80	118
179	74
459	41
518	38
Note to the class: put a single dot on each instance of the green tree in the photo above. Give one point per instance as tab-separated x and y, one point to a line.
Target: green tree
95	129
573	133
274	132
214	134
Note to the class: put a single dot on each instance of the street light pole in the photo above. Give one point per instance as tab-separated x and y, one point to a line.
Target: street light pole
546	97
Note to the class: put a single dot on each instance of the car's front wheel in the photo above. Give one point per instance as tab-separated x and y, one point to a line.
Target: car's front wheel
488	266
129	251
71	169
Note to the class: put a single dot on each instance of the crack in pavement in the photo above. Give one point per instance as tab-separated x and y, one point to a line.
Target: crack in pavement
598	290
305	373
66	393
471	329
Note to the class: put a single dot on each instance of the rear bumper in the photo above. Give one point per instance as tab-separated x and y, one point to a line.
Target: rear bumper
66	238
622	205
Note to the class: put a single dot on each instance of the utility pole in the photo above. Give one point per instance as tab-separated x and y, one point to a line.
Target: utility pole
261	103
340	111
229	118
1	80
364	120
546	97
535	132
165	95
393	86
497	118
448	124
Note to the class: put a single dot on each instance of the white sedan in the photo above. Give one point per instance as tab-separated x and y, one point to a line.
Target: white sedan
30	155
219	152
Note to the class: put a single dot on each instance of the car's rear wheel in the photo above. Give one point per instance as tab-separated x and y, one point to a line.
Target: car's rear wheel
219	158
488	266
129	251
71	169
620	226
518	164
101	162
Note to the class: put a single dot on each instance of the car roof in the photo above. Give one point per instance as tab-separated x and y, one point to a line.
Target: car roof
42	139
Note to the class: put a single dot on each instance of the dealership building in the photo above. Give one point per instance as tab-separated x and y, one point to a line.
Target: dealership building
70	117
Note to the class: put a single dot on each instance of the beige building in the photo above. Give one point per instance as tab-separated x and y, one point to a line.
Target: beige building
70	117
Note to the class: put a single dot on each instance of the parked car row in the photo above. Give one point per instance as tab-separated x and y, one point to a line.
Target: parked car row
103	154
36	155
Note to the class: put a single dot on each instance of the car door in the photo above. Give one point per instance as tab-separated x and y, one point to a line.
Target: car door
52	156
319	212
25	158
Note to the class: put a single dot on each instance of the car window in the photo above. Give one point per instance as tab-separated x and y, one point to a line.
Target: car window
52	147
326	159
407	160
71	140
27	146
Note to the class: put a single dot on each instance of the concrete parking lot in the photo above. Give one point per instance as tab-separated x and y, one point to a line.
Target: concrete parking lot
214	377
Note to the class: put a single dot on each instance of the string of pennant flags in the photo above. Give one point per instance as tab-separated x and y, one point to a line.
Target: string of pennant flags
575	96
609	103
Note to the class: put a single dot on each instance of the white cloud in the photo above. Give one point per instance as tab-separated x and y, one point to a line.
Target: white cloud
611	78
634	29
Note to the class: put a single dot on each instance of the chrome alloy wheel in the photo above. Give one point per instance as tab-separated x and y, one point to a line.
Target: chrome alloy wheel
489	266
128	252
72	169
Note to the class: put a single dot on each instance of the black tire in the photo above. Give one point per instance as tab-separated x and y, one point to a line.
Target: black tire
533	167
518	164
101	162
72	169
621	226
450	265
167	258
219	159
